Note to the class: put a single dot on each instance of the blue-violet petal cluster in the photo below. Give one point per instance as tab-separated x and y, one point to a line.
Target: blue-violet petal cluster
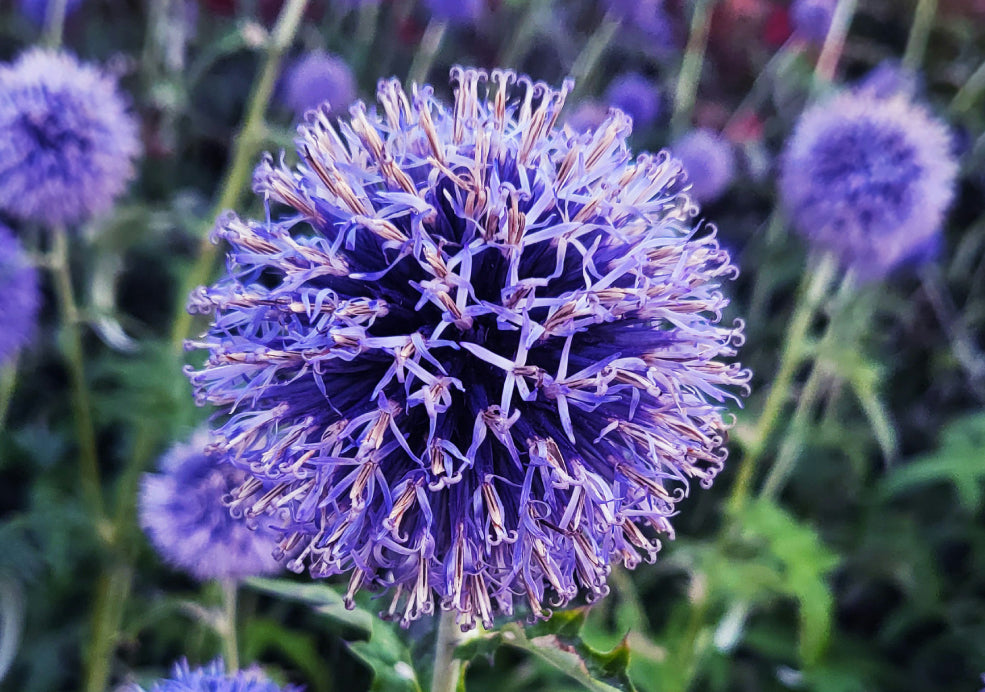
213	678
183	515
475	353
69	142
811	19
21	296
318	77
636	96
869	179
709	162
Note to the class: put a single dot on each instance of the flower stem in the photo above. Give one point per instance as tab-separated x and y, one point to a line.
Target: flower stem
834	43
111	598
230	646
447	669
916	44
8	382
85	433
693	61
434	35
584	65
527	26
54	23
238	173
812	290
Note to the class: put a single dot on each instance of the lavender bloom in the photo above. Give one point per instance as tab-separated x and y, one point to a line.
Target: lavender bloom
869	179
587	116
316	78
478	357
213	678
21	298
182	512
811	19
636	96
69	144
37	10
709	162
888	79
456	11
649	17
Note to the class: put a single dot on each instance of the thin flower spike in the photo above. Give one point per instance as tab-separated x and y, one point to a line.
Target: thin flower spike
475	352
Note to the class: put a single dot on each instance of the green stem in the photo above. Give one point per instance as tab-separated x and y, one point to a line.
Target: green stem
8	382
111	597
54	23
811	292
447	669
691	65
85	432
427	51
228	628
916	44
527	25
368	22
969	91
238	173
583	68
834	43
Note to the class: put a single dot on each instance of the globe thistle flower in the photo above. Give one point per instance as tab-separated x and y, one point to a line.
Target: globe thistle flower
69	142
460	12
213	678
869	179
21	297
182	512
648	17
587	116
477	357
811	19
636	96
888	79
316	78
709	162
37	10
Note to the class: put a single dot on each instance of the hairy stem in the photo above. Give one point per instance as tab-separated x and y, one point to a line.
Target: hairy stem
447	669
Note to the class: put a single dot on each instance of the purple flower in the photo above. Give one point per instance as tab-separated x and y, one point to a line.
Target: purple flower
888	79
587	116
811	19
21	297
649	17
182	512
68	144
636	96
709	162
213	678
37	10
456	11
869	179
316	78
477	356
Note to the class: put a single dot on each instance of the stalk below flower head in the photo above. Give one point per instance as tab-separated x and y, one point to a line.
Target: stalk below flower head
69	142
869	179
213	678
182	512
21	296
476	354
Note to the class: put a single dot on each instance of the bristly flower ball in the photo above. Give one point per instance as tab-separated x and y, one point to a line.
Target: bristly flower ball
182	513
69	143
477	356
869	179
316	78
709	162
636	96
213	678
21	297
811	19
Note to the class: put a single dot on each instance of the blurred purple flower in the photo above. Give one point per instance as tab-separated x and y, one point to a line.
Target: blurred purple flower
456	11
213	678
37	10
587	115
649	17
318	77
182	512
811	19
869	179
69	143
709	162
636	96
888	79
479	358
21	297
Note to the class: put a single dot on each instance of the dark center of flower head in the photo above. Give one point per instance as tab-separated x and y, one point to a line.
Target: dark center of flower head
478	360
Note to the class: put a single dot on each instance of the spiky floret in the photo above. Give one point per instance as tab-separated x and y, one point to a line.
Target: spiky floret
213	678
478	356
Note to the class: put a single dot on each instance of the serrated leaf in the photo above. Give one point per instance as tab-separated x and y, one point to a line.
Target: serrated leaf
960	460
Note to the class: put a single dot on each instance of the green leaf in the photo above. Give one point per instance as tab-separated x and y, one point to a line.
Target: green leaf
262	634
389	658
959	460
324	600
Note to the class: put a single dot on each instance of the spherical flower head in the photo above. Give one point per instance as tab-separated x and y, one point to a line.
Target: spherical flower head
811	19
649	17
475	353
21	296
868	179
183	515
587	116
636	96
460	12
37	10
316	78
709	161
888	79
213	678
69	143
